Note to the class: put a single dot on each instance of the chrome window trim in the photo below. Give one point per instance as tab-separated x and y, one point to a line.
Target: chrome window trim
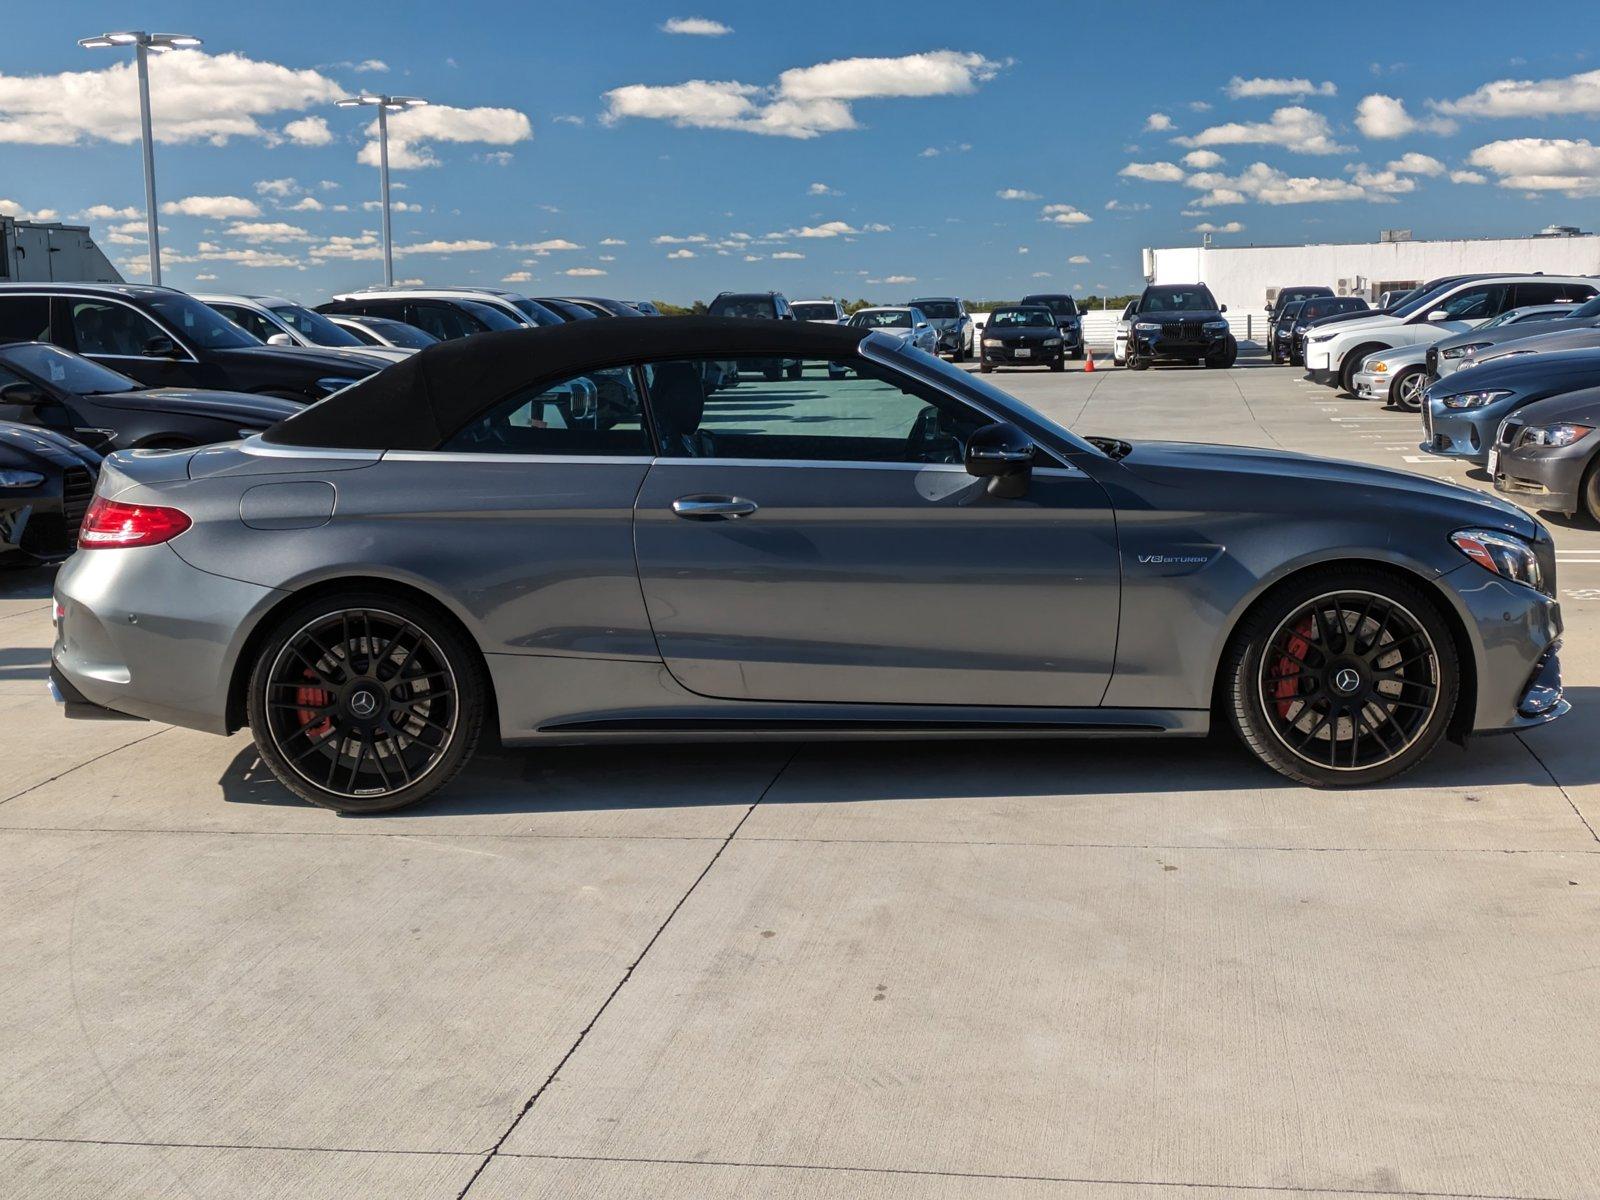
470	456
254	445
476	456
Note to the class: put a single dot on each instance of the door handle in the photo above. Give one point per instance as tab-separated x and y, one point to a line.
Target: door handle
713	508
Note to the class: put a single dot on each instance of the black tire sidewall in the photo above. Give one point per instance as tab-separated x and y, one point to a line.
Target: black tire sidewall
471	696
1242	664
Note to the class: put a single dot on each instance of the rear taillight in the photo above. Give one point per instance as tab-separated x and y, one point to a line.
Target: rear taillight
110	524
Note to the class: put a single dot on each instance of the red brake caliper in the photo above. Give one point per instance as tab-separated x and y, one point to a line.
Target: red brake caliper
313	698
1288	667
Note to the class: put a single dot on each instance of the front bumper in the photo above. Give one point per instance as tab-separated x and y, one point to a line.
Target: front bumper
1372	385
1319	361
1035	356
1158	344
1547	477
1517	635
141	632
1460	433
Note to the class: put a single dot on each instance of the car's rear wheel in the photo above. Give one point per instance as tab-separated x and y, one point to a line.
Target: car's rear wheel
364	702
1589	490
1405	392
1342	678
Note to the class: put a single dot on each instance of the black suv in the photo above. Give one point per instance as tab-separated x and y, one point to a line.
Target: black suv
758	306
1068	319
1179	323
1280	332
1288	295
164	338
1320	311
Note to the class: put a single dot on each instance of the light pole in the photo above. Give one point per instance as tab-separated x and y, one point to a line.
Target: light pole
142	44
384	104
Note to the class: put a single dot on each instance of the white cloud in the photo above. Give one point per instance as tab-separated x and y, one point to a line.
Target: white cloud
895	279
497	158
682	253
671	239
787	254
1018	194
1156	172
215	207
1468	177
1199	106
1022	250
1063	214
308	131
517	277
105	212
822	189
583	272
696	27
830	229
413	130
201	97
279	189
1568	165
251	257
464	246
10	208
1268	185
1294	128
567	119
545	247
1157	122
1382	117
394	205
805	102
1573	94
1246	89
205	277
1208	227
1078	259
1124	206
1413	163
612	242
306	204
1203	160
269	231
371	64
354	248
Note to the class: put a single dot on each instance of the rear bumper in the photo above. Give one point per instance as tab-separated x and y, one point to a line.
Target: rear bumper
77	707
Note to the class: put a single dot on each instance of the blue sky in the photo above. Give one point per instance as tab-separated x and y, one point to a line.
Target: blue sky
570	139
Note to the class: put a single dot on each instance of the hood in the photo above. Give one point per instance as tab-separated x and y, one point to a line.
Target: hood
1022	333
1171	318
381	356
1510	333
1400	356
1343	318
27	446
1581	408
331	358
1583	338
224	406
1378	486
1377	320
1563	370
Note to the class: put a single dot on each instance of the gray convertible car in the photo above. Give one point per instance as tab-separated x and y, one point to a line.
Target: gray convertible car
470	544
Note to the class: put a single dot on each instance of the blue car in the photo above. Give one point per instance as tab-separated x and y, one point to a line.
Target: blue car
1461	412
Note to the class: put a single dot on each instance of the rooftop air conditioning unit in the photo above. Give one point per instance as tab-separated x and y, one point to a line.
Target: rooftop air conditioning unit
1395	235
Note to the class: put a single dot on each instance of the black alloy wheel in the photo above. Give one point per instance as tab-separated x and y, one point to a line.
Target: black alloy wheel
1344	679
365	703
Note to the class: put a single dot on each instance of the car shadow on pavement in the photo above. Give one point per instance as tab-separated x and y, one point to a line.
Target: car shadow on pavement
27	583
598	778
22	664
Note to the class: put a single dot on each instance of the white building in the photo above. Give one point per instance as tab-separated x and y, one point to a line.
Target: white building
1247	278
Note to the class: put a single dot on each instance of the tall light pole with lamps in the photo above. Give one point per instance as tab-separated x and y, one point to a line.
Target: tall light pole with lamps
384	105
143	43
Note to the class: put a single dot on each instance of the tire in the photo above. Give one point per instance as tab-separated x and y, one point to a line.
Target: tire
1589	491
1413	379
1135	363
984	368
772	374
794	371
961	353
1404	665
308	682
1077	355
1352	364
1276	356
1059	364
1226	358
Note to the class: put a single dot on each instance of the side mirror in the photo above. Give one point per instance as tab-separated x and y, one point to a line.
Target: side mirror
1222	308
1002	454
279	339
1438	314
161	346
23	395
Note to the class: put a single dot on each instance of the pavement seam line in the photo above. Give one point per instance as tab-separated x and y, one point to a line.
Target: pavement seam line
64	1141
79	766
494	1151
1022	1178
1559	786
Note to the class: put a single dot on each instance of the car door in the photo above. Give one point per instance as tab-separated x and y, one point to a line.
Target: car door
119	336
817	539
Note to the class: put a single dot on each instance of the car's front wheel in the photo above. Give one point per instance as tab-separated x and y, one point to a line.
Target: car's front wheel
364	702
1406	390
1342	678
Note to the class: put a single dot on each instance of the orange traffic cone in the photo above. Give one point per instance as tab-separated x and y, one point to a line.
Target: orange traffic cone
1088	359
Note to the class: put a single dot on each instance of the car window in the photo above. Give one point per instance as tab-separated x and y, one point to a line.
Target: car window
840	412
196	322
1551	292
102	327
315	327
1014	318
397	332
756	307
362	334
443	321
249	320
818	312
1475	303
67	371
888	318
24	318
940	310
598	412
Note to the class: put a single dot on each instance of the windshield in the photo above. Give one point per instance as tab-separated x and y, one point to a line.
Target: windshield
1013	318
1061	306
199	323
757	307
816	312
1291	310
1178	299
1424	298
314	326
1589	308
939	310
398	333
883	318
492	317
537	313
65	370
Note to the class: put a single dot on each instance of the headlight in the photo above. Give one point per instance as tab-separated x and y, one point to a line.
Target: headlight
332	384
1475	399
1456	352
1378	368
1507	556
1322	337
1146	326
993	343
1052	341
20	479
1561	434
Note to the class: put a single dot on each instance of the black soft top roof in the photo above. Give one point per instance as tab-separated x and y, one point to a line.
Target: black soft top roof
419	403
